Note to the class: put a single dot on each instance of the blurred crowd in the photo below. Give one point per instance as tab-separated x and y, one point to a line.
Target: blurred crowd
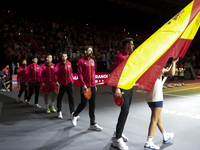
25	35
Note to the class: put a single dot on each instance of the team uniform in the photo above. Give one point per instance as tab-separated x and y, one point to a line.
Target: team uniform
33	79
127	96
48	77
86	76
22	79
65	79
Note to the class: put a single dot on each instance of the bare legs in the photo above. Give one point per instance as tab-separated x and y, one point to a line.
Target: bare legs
155	121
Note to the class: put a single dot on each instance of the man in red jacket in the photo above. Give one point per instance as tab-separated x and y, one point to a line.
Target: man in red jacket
22	80
48	82
33	79
65	80
118	141
86	75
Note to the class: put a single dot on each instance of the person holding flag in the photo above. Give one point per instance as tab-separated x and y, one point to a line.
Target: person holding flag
65	80
86	76
48	82
33	80
22	80
119	138
155	102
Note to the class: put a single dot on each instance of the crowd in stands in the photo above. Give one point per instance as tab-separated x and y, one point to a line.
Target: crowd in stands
25	35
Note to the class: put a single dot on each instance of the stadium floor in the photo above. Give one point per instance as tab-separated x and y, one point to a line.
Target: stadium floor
29	128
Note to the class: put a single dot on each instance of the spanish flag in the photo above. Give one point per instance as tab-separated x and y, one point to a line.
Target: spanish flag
145	64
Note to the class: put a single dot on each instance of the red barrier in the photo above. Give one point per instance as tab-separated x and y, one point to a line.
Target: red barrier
100	78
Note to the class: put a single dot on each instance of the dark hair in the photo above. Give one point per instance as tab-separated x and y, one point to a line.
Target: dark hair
64	53
47	55
126	40
22	60
85	48
35	56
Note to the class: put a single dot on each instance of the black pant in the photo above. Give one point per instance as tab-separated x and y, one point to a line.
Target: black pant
127	96
83	103
70	92
22	87
35	85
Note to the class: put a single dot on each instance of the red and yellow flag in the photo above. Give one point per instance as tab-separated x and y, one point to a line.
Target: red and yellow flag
145	64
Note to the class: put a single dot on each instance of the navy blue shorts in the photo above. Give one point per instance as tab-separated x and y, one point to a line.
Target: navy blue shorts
155	104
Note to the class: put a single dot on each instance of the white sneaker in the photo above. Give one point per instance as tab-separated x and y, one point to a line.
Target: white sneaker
74	120
183	84
151	146
169	86
37	106
60	115
167	137
8	90
71	116
125	138
119	143
3	90
95	127
26	102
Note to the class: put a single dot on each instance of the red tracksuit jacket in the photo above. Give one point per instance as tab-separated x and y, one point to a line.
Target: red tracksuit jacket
48	73
64	73
86	72
33	73
22	74
118	59
7	71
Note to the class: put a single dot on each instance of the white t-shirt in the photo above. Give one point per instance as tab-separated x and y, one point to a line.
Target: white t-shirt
176	72
181	70
156	93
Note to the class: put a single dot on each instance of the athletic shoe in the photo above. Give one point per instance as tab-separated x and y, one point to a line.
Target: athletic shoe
169	86
74	120
37	106
8	90
119	143
151	146
3	90
176	85
52	109
71	116
183	84
167	138
60	115
48	111
125	138
26	102
95	127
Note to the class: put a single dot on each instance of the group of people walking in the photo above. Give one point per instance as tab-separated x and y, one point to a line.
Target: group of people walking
59	79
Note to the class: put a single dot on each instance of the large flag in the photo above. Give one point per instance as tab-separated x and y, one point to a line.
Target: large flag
145	64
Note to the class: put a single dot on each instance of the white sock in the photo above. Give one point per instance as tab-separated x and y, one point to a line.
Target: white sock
149	139
52	103
164	133
47	106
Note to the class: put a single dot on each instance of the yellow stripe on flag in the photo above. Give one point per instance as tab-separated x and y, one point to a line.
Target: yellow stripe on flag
191	30
153	48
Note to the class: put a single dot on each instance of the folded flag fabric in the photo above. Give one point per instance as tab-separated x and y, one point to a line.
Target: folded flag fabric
145	64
